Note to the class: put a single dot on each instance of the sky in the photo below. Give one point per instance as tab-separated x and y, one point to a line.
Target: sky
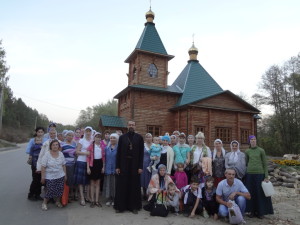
65	56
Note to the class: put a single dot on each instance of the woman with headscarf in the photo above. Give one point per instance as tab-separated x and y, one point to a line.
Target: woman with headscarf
109	187
167	154
80	172
257	172
236	160
218	161
174	140
77	135
146	175
68	149
201	159
159	182
46	147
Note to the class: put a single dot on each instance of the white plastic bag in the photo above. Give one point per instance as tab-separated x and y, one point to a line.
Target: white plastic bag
235	215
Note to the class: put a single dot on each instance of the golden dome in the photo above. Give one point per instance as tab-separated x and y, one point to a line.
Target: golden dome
150	16
193	49
193	52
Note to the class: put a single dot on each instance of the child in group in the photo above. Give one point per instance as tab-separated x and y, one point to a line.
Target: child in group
155	152
210	205
180	178
35	187
95	166
192	195
173	198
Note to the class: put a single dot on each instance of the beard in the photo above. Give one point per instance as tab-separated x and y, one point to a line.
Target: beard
131	130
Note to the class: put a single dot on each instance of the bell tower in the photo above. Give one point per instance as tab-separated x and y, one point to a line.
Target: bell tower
148	63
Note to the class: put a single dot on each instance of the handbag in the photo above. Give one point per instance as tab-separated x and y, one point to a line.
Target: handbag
160	208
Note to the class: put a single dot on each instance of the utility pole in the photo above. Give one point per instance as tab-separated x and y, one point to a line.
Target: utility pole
1	106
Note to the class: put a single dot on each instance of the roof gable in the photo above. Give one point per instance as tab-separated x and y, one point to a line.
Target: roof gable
226	100
195	83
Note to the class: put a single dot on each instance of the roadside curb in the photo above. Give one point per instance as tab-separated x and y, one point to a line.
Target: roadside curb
9	148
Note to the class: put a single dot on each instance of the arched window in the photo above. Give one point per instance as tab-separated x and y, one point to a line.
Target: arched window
134	73
152	70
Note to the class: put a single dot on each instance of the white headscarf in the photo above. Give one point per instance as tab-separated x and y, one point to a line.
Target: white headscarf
91	129
215	150
234	155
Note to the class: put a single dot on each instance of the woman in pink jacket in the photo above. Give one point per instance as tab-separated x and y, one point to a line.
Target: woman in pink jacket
95	166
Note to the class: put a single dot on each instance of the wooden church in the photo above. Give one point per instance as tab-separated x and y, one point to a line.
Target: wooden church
194	102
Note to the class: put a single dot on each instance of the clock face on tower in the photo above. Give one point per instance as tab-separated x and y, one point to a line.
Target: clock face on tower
152	70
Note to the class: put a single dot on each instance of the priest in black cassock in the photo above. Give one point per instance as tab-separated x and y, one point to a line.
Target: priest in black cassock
129	165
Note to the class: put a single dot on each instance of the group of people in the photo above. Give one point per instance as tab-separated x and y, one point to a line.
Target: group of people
78	160
180	172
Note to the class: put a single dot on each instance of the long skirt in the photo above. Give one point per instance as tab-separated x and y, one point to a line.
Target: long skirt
54	188
109	187
80	175
259	204
70	174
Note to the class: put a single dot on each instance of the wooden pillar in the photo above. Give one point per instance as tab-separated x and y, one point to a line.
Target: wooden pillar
187	121
252	124
209	127
132	101
238	132
178	119
191	121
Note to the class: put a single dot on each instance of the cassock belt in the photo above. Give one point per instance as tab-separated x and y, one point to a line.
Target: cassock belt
129	157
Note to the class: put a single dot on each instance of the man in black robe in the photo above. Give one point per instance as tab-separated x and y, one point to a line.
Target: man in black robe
129	165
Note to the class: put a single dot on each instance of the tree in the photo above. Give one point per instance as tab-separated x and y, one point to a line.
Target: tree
281	87
91	116
3	79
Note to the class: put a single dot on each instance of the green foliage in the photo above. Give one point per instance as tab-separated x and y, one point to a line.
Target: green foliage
3	67
280	133
18	115
91	116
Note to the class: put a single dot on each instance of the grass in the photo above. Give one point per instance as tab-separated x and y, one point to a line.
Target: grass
5	144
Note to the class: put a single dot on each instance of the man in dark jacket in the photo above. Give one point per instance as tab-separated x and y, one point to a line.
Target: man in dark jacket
129	165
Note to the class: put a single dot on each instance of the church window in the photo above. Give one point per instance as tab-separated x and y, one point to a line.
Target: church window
199	129
134	73
244	136
154	130
152	70
224	133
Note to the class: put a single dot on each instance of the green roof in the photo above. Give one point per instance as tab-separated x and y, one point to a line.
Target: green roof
169	89
113	121
195	84
150	40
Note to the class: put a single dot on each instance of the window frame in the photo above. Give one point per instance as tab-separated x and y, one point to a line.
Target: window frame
224	134
155	131
149	70
244	135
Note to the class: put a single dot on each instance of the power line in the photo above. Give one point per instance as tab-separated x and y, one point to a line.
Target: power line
49	103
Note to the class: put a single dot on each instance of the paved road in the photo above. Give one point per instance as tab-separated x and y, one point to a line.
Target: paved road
15	209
